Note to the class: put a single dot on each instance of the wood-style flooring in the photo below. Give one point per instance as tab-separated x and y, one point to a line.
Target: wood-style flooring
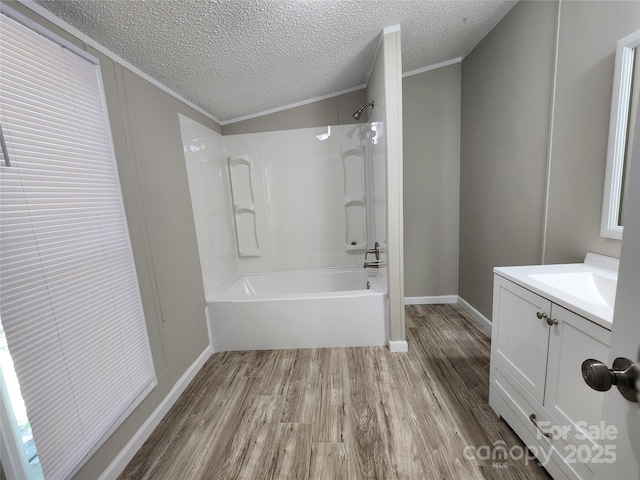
347	413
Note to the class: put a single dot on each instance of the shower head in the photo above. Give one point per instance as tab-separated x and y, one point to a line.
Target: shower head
358	113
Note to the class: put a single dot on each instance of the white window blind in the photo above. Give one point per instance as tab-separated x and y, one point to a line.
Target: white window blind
69	299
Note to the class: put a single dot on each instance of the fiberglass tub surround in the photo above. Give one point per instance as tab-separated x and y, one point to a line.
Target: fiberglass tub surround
588	289
283	221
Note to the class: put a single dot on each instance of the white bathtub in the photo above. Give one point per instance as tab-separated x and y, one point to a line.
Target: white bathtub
313	308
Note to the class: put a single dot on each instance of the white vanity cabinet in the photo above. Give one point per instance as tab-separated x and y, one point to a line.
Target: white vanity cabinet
521	337
537	349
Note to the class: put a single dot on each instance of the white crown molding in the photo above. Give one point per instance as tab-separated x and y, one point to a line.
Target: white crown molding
435	66
47	15
341	92
293	105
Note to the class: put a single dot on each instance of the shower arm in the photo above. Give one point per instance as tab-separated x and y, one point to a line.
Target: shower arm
358	113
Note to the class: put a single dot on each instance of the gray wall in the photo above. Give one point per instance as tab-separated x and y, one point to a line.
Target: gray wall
431	122
506	101
331	111
507	144
148	146
586	53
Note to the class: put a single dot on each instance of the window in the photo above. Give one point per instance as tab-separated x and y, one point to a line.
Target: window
69	299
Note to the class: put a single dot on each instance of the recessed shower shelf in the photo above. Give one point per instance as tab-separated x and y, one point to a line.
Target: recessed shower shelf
354	198
246	231
242	193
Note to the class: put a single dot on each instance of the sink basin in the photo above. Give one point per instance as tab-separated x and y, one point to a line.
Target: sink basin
590	287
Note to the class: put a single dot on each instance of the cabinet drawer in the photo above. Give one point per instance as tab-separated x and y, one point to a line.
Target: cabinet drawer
520	337
559	452
522	404
551	465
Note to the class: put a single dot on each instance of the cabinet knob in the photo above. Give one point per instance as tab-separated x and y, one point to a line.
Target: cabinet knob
551	321
541	315
624	375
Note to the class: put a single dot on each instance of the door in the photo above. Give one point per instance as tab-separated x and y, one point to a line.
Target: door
617	412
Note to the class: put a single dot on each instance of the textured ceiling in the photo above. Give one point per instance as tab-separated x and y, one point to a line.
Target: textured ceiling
239	57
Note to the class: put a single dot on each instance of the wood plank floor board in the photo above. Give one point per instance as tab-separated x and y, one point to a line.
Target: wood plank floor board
455	374
219	430
301	394
350	413
410	314
458	396
211	439
291	453
252	439
330	414
397	421
365	432
436	429
273	367
459	390
331	461
208	390
417	311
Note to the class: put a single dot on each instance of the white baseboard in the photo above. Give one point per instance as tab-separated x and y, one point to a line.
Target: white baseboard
396	346
119	463
431	300
483	321
207	320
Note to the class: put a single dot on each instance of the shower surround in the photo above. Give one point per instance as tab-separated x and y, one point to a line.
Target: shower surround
298	208
302	202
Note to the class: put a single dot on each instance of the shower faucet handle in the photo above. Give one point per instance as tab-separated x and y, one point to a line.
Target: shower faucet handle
373	251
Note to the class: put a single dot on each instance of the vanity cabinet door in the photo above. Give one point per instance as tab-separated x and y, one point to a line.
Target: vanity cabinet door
574	405
520	334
